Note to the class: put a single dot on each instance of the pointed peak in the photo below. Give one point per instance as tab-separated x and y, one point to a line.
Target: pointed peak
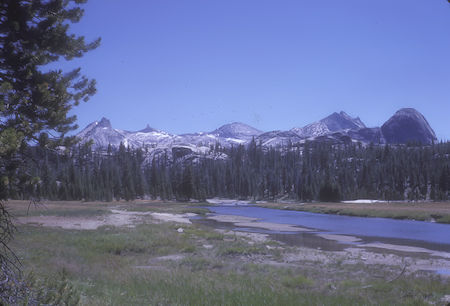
336	116
147	129
341	121
104	122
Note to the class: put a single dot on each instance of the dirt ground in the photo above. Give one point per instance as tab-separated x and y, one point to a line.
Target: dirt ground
116	217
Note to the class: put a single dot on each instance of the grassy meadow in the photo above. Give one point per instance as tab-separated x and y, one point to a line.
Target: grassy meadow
421	211
152	262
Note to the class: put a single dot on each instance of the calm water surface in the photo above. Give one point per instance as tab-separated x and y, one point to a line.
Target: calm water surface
368	227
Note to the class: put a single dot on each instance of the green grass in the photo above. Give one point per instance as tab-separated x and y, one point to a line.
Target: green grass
239	247
61	211
70	213
297	281
420	216
207	288
204	233
197	263
400	214
125	266
442	219
196	210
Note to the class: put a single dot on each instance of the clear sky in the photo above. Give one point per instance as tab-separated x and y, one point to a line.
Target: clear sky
193	65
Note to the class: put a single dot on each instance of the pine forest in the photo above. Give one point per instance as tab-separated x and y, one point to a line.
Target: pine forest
314	171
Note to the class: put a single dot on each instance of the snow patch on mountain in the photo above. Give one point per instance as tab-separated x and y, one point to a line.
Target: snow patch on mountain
312	130
333	123
101	133
406	125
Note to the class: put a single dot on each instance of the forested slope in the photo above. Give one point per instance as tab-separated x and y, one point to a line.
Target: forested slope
313	171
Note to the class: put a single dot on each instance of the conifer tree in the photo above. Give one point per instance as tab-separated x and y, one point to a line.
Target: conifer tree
34	102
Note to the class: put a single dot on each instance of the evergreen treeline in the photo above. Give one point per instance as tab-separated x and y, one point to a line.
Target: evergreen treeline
313	171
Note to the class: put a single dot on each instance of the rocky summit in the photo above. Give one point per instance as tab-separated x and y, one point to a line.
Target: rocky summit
236	130
406	125
333	123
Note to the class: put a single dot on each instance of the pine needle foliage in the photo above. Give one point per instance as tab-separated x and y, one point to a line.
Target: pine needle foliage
34	100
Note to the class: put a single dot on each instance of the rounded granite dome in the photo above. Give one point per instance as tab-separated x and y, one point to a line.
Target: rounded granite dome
408	125
236	129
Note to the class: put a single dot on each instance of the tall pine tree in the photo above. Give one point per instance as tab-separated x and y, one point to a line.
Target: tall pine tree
34	102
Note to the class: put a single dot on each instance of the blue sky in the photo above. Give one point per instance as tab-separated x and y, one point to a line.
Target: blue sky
188	66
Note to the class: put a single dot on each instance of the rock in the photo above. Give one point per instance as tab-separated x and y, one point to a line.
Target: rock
179	152
180	230
236	130
446	300
408	125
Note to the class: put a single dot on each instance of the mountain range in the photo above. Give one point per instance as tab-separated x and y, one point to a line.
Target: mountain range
406	125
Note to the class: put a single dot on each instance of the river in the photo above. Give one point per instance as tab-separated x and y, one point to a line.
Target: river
406	232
